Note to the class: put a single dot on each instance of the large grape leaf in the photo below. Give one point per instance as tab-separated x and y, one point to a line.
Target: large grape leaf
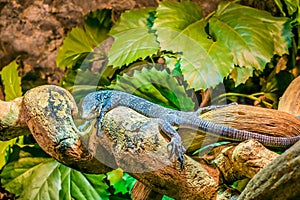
85	186
33	175
32	178
81	42
157	86
133	40
180	28
76	46
253	36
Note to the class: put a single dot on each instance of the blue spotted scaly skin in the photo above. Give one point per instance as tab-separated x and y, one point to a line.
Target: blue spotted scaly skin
96	104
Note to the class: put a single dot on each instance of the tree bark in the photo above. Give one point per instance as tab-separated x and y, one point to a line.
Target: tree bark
142	192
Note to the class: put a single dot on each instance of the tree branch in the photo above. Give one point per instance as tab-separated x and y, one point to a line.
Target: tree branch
279	180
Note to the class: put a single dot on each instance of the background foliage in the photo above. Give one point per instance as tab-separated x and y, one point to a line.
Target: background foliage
169	55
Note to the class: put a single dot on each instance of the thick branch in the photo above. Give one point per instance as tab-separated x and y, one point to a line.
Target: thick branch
279	180
11	122
244	160
48	111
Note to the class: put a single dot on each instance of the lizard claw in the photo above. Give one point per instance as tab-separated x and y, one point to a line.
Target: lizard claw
178	150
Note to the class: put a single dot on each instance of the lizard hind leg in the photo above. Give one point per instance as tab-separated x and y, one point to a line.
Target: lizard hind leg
175	143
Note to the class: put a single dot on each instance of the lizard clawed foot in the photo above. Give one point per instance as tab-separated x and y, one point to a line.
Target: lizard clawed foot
177	149
175	143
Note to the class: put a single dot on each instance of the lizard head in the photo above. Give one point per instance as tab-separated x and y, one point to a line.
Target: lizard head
90	106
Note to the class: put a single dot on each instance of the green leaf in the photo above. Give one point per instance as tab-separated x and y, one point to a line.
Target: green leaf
76	46
180	28
132	19
97	26
241	74
292	6
98	183
280	6
240	36
177	16
81	42
115	178
177	70
253	36
82	186
39	172
129	181
132	38
36	177
65	192
167	198
5	147
293	10
11	81
173	63
157	86
211	146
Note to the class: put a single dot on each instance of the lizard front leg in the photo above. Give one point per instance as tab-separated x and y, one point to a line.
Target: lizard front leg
105	107
177	148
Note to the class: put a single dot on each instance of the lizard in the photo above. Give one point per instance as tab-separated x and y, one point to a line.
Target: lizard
96	104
